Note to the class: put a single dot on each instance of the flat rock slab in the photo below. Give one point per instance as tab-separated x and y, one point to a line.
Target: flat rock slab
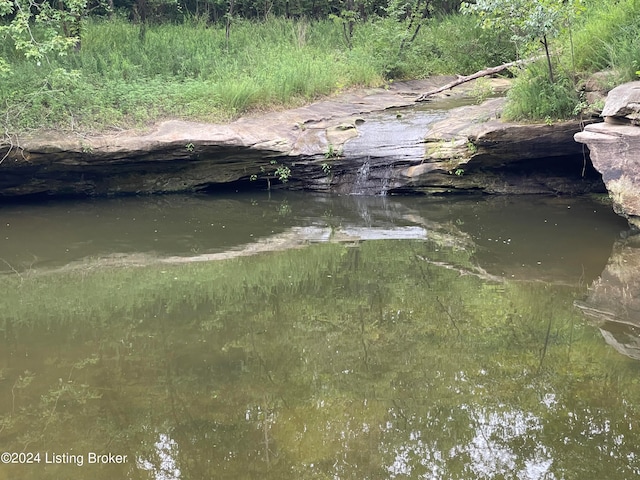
472	149
279	132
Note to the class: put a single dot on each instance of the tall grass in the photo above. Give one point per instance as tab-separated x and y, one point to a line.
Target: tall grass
609	38
125	78
534	97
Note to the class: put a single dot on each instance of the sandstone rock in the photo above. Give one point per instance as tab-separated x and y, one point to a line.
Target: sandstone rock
623	102
368	142
614	153
481	152
615	149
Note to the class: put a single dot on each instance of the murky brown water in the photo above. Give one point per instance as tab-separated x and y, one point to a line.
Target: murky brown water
310	337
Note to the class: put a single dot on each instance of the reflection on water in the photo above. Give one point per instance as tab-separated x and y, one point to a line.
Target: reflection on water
613	301
310	337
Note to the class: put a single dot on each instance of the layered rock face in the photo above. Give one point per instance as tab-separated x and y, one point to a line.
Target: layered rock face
615	149
369	142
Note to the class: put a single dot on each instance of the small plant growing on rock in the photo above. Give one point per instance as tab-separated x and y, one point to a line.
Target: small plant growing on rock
472	147
481	90
332	152
281	172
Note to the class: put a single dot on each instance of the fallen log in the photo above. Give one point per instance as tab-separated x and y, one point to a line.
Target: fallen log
482	73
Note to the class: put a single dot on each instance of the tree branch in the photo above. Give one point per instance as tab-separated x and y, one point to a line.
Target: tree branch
482	73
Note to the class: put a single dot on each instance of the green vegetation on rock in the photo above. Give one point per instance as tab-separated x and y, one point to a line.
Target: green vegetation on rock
80	66
125	73
573	40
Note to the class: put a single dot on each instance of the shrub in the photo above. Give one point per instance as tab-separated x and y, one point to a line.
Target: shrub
534	97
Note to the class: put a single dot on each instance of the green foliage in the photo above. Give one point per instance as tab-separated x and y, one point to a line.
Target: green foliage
481	90
121	79
274	170
602	24
527	20
35	28
472	147
283	173
175	71
332	152
534	97
607	39
441	47
600	36
183	65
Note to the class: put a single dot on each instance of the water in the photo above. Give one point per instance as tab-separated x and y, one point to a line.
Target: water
305	337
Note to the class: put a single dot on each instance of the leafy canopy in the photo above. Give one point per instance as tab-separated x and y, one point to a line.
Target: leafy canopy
527	20
36	27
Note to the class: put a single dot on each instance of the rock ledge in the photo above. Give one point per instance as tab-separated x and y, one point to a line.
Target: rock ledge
615	149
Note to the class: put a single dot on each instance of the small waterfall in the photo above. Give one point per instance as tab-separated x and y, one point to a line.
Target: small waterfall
362	179
370	180
386	179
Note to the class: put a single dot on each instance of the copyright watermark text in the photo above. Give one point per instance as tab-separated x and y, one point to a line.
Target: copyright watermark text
55	458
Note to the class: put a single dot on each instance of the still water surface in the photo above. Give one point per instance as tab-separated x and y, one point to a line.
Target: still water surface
310	337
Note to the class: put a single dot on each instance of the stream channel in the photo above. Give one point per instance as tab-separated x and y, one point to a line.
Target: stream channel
291	336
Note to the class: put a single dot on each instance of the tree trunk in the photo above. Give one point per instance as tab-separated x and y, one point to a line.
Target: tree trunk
227	30
546	51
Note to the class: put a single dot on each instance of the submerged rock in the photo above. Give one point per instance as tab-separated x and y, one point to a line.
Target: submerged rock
370	142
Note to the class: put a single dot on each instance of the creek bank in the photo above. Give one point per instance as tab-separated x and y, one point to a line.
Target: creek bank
369	142
615	147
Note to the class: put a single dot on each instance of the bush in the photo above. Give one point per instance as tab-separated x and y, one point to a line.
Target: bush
533	96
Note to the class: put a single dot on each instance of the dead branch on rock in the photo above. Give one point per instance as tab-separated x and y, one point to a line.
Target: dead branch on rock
482	73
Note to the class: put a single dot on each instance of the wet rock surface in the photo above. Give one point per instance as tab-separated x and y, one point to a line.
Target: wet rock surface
369	142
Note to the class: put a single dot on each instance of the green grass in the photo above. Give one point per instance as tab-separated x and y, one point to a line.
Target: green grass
188	70
609	39
533	97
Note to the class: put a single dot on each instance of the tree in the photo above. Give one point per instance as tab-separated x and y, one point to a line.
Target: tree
527	19
37	28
